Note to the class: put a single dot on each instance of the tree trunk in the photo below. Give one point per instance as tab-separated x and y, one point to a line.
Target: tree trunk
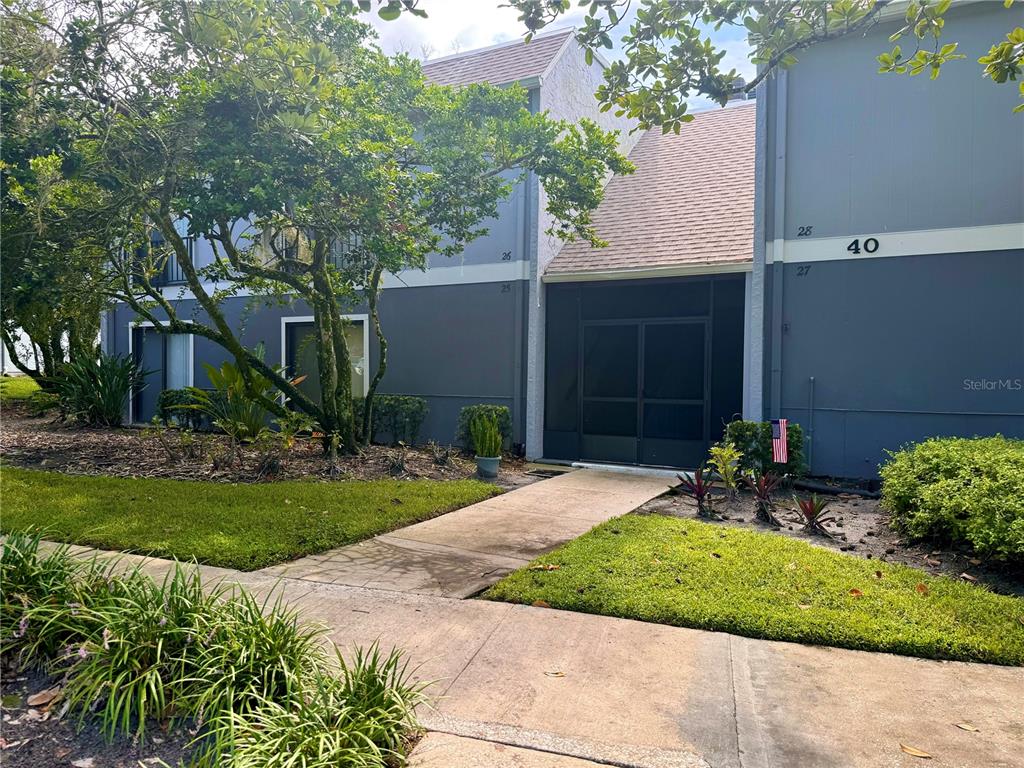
382	359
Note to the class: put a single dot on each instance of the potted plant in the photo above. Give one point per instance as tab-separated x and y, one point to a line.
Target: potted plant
487	442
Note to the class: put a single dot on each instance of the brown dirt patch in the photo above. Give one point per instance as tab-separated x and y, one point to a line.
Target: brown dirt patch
43	443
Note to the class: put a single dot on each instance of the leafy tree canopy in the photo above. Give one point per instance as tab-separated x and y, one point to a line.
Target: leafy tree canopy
670	59
313	164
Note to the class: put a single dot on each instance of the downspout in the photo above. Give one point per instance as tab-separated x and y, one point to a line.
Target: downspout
779	241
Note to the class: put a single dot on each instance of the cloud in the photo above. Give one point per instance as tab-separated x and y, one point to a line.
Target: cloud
451	26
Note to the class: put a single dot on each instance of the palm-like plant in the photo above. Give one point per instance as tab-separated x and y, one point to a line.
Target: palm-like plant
815	514
698	488
762	485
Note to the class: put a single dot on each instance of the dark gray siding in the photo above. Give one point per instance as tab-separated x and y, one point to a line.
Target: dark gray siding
902	349
454	345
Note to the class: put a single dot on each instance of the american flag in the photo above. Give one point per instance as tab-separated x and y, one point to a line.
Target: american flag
780	442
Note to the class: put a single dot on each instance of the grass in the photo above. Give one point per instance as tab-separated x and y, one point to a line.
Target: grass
16	388
691	574
232	526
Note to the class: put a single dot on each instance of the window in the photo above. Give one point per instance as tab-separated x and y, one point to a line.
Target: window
300	355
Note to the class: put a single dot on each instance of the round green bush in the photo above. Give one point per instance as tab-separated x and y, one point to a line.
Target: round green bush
960	490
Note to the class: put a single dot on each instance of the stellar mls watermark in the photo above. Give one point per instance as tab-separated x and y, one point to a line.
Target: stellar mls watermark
993	385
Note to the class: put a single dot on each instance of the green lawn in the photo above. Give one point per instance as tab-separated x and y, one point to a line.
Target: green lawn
14	388
234	526
694	574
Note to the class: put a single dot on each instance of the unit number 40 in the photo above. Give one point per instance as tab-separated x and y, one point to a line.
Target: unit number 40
870	246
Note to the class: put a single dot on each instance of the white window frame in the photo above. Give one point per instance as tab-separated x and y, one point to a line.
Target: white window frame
364	319
191	374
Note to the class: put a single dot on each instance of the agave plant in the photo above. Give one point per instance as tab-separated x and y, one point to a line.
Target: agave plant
762	485
815	514
698	488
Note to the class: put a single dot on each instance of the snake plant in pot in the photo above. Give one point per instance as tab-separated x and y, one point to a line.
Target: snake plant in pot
487	441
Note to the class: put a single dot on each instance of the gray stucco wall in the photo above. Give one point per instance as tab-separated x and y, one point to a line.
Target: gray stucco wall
454	345
867	152
902	349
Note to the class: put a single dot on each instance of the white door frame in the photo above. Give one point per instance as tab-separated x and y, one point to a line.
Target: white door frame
191	378
364	319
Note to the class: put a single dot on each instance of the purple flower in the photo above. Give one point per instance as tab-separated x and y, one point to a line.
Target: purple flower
82	652
162	622
22	627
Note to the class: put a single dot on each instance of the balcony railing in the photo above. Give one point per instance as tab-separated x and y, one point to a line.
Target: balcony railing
172	273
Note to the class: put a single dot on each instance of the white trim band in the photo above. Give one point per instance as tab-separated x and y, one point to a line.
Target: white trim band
681	270
464	274
924	242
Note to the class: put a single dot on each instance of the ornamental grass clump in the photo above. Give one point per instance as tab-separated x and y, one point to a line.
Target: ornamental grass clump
486	436
132	653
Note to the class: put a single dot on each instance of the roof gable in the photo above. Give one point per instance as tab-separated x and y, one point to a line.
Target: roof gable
502	64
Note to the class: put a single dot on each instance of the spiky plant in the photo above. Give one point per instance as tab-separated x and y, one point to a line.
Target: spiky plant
815	514
762	485
698	488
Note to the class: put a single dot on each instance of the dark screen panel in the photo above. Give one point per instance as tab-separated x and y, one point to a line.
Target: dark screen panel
673	422
613	301
674	361
610	360
561	385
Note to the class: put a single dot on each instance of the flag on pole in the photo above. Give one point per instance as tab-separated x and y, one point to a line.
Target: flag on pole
780	442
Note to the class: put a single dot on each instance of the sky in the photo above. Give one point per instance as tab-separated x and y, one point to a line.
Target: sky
454	26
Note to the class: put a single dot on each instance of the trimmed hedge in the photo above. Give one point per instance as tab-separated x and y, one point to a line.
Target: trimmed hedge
176	406
968	491
400	416
467	415
754	439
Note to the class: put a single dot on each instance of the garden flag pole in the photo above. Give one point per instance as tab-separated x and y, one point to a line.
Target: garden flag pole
780	442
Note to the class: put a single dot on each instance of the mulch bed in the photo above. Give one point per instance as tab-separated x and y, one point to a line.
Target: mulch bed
861	528
46	443
40	737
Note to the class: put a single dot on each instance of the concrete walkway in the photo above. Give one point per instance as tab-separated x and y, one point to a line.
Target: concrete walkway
463	552
515	686
522	687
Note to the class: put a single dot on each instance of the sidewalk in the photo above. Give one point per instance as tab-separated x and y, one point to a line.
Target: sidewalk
463	552
522	687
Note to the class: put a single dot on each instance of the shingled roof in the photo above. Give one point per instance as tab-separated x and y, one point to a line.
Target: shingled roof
511	62
690	202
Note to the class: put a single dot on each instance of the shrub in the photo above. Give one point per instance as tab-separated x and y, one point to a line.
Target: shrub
486	436
176	406
724	460
400	416
754	440
960	490
464	435
229	406
96	391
